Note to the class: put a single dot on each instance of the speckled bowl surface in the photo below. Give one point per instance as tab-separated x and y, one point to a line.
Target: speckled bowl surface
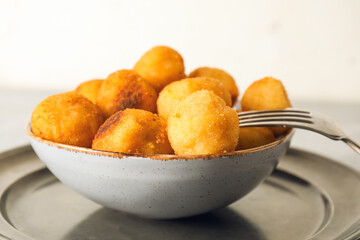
160	186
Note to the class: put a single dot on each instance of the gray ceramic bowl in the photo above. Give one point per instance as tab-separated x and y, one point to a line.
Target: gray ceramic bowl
160	186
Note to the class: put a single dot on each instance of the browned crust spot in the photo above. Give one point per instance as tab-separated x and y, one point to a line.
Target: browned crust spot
129	97
110	123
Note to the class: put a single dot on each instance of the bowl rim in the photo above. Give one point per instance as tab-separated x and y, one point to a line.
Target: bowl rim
91	151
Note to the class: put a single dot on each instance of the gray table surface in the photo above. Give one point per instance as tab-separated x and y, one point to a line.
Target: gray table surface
16	107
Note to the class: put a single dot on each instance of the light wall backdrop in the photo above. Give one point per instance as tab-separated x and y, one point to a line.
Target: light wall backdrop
313	46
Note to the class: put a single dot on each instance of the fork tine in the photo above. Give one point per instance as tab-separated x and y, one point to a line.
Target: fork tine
283	111
279	118
277	114
291	124
289	112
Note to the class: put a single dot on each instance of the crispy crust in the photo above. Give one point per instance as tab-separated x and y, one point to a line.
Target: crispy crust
133	131
175	92
224	77
266	94
203	124
67	118
126	89
90	89
109	124
160	66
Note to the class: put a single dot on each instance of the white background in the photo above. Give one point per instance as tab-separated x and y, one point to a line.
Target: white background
313	46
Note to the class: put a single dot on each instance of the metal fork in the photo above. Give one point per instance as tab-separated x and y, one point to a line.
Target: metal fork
296	118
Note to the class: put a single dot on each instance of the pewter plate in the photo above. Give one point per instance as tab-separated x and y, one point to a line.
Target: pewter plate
307	197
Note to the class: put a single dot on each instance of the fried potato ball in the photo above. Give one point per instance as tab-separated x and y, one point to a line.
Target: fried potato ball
203	124
125	89
251	137
223	76
89	89
266	94
67	118
160	66
133	131
173	93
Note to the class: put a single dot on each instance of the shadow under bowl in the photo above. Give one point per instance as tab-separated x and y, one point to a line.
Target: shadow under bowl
160	186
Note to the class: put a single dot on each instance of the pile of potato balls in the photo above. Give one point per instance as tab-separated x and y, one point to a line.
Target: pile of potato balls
155	108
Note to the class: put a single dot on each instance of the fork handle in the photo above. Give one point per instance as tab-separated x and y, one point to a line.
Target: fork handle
352	144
